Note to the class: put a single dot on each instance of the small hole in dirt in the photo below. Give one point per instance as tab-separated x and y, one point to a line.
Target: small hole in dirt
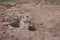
3	20
12	36
36	3
4	32
7	25
41	24
32	28
22	13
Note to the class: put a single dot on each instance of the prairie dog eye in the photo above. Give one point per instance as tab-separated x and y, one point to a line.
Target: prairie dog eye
27	16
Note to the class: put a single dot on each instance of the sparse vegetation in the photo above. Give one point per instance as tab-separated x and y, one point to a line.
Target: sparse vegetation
29	20
52	0
6	1
37	1
15	23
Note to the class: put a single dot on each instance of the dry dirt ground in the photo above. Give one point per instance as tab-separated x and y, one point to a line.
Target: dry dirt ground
46	18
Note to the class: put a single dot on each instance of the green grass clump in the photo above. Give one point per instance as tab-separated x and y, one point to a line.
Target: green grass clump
52	0
15	23
10	1
37	1
6	1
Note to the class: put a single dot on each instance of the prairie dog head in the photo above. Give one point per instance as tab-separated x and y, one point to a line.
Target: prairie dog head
26	17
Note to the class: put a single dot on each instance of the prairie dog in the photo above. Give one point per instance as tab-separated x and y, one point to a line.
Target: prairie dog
24	22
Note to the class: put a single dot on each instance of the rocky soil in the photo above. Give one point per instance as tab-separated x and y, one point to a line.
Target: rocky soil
44	17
